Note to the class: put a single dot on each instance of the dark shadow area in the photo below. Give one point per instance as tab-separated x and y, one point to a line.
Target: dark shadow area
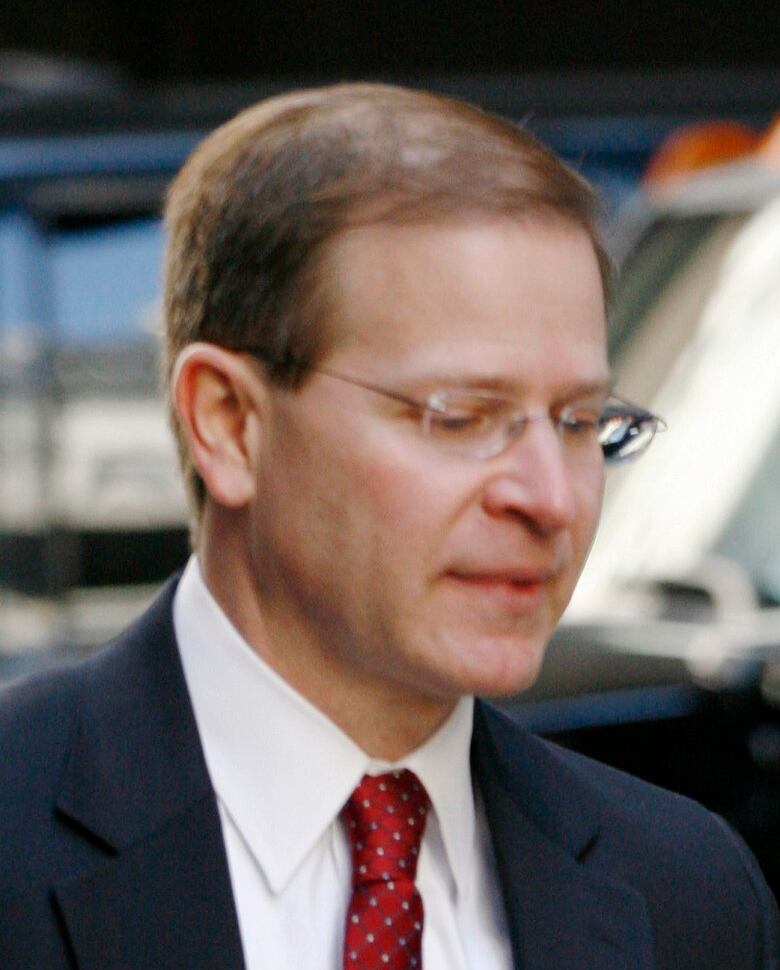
243	39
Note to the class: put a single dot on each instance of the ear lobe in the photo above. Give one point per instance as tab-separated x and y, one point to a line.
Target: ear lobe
217	400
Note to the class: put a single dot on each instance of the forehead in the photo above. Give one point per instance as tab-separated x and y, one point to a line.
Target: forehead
494	297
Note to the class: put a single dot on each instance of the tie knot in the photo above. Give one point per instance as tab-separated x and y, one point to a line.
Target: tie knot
385	820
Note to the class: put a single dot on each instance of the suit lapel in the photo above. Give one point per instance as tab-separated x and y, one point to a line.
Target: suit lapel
158	894
137	788
561	911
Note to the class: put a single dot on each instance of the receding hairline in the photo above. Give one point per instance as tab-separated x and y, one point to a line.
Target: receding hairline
512	177
327	269
421	129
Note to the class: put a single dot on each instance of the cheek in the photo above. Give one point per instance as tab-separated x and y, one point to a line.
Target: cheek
302	504
396	496
389	527
396	532
589	499
352	513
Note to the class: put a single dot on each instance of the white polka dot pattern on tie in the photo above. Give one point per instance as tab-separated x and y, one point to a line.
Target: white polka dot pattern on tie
385	820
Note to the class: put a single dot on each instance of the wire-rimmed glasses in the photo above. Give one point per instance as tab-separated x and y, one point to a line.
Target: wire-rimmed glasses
480	424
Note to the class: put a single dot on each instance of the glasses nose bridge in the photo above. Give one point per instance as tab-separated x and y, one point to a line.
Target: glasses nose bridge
517	422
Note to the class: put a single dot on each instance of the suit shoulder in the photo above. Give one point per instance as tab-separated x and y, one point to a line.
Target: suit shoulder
614	791
642	824
636	806
618	788
695	871
37	718
38	711
37	723
37	706
695	874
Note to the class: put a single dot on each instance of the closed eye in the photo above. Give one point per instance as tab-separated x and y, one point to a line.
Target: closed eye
580	419
453	422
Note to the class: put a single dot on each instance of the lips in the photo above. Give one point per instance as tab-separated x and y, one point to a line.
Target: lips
513	577
520	591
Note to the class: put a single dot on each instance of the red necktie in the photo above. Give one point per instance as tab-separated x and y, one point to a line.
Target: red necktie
385	820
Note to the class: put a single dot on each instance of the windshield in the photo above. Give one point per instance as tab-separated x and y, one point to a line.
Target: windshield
698	340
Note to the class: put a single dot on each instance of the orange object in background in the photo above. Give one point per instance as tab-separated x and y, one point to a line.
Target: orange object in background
769	147
699	146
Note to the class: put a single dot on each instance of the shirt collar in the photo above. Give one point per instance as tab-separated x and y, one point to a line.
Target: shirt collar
268	749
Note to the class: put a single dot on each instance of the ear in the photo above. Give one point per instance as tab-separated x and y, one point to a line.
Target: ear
220	401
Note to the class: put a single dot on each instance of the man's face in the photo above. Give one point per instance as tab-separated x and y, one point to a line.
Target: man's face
380	557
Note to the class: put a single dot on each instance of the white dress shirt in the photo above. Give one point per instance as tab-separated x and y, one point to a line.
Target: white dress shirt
282	772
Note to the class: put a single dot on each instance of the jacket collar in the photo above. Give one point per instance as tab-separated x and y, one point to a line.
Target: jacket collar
545	824
136	786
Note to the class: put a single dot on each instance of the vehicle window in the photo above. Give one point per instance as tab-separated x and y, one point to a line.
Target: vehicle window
705	357
660	253
664	295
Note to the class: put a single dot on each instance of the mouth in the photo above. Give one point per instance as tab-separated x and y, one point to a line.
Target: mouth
524	589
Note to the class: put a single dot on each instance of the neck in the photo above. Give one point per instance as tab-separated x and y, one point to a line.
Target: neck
386	720
386	728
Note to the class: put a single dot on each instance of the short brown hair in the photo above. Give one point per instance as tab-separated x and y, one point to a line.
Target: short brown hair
249	213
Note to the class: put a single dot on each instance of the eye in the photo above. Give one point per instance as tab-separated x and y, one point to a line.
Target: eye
453	422
580	419
461	415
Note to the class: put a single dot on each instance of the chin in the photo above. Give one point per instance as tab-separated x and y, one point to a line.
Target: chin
508	687
505	668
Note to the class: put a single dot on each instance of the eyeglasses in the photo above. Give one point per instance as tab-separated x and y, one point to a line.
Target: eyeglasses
479	424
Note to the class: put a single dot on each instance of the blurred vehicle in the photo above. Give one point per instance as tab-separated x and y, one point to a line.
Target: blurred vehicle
89	495
92	514
667	663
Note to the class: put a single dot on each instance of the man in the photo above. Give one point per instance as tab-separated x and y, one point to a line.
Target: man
385	334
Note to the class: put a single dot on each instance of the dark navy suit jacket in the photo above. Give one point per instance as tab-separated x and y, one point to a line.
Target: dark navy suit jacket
111	854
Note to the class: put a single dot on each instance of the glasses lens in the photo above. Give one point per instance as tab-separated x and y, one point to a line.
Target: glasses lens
479	425
466	423
625	431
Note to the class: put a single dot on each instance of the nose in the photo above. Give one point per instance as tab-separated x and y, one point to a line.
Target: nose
533	480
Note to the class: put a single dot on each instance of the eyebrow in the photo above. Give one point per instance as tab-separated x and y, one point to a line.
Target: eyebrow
508	387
